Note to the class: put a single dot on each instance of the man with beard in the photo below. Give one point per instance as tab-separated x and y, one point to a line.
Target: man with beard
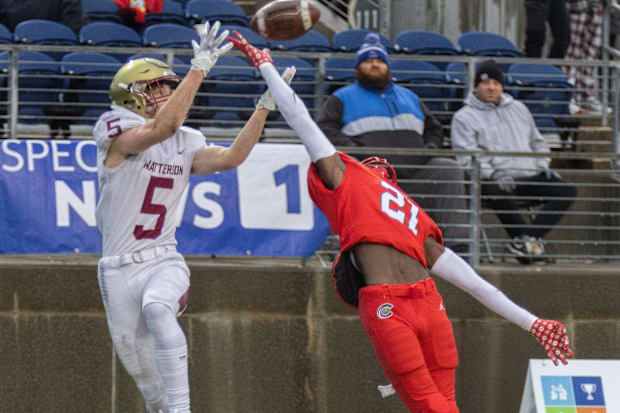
376	112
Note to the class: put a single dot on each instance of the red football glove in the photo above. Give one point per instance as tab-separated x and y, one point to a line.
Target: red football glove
256	56
552	336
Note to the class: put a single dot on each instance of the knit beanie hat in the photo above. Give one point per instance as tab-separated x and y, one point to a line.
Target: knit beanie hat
488	70
372	48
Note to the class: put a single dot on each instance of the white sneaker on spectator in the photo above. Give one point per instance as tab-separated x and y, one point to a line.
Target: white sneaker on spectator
594	106
573	108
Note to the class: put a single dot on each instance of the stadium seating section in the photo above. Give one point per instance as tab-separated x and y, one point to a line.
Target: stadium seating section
81	78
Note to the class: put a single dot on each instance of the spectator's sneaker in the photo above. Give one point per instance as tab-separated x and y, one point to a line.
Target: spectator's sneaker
522	248
574	108
594	107
539	251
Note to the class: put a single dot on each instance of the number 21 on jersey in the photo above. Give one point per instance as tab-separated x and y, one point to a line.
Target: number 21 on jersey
393	204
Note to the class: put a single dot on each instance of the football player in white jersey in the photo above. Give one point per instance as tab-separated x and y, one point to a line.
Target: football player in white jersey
144	159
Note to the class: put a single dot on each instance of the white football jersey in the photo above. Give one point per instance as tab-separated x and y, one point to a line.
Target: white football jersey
139	199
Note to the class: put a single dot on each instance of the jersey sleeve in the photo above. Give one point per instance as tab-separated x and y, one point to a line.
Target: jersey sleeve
113	123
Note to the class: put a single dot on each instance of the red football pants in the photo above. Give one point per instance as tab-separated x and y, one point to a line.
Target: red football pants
413	339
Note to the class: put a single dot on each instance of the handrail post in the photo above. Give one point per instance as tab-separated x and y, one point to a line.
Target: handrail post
13	93
475	210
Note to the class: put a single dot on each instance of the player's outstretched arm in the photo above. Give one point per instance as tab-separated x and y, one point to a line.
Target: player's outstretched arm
219	158
172	114
550	334
320	149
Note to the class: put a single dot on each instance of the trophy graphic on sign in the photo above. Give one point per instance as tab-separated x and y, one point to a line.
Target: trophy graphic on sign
588	388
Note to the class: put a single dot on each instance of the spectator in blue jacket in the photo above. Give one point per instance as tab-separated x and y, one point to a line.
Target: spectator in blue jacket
375	112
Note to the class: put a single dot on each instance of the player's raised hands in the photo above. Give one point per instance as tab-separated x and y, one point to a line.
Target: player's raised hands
266	100
208	51
257	57
552	336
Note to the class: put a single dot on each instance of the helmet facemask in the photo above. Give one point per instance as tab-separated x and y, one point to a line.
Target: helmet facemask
137	86
381	167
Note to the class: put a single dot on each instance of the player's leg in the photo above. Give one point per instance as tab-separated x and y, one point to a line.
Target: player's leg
132	340
399	349
164	295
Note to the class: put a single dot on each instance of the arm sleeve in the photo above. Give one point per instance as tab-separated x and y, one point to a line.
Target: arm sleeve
453	269
433	132
330	122
296	114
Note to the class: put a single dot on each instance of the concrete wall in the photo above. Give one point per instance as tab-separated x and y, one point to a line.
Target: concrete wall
271	336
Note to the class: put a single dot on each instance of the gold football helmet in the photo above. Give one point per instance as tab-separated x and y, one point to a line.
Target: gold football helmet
132	86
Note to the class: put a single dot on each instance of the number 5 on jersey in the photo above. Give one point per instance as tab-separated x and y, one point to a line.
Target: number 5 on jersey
394	204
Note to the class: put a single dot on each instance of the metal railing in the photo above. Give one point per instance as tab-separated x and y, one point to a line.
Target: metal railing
589	231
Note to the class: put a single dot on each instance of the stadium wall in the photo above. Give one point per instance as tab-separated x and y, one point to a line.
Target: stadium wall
271	336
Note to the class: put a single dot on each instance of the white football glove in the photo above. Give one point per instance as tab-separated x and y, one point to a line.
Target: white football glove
208	51
266	101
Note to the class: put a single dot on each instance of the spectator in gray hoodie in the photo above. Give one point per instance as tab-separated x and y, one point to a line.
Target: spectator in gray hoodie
493	121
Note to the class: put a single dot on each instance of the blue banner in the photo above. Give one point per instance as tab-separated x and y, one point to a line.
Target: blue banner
48	193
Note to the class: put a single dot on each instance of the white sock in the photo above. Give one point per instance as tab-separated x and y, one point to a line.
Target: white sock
170	354
296	114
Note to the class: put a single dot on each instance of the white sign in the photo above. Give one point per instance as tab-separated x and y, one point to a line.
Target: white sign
582	386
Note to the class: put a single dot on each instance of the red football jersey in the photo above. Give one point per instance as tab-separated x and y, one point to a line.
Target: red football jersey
366	208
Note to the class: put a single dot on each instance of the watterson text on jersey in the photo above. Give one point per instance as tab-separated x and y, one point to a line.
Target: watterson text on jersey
163	168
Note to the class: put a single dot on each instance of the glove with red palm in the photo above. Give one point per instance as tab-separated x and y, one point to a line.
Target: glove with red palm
552	336
257	57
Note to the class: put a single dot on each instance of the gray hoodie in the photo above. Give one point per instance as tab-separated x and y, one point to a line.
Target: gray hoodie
508	126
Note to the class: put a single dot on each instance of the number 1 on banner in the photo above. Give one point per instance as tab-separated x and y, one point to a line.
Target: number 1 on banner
273	192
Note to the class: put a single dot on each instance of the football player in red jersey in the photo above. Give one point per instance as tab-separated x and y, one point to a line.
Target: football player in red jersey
388	248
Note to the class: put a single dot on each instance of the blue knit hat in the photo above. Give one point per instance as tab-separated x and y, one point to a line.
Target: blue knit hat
372	48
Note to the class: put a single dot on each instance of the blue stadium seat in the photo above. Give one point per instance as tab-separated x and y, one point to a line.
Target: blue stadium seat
101	10
169	35
39	84
254	38
227	12
487	44
543	88
338	73
232	86
425	80
425	42
172	12
456	77
90	75
6	37
105	33
45	32
312	41
352	39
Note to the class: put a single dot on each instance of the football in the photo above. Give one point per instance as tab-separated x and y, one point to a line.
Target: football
285	19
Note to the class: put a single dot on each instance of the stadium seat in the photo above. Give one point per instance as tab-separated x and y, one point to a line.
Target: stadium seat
487	44
105	33
172	12
425	42
250	35
456	77
101	10
45	32
543	88
352	39
232	86
227	12
425	80
170	35
312	41
338	73
6	37
89	75
39	84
